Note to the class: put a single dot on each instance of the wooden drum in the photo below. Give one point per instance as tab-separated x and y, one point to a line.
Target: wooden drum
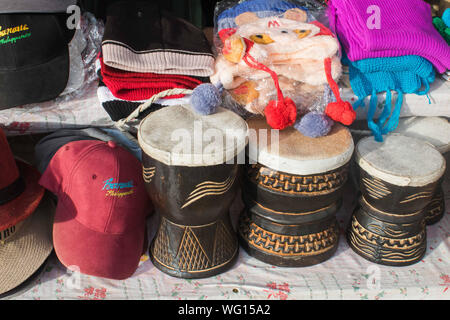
293	189
191	171
436	131
398	178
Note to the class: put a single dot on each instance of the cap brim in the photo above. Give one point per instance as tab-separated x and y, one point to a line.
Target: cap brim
27	250
39	83
27	6
26	203
27	284
94	253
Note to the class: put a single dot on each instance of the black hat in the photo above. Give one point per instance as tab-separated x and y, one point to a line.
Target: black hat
34	64
47	6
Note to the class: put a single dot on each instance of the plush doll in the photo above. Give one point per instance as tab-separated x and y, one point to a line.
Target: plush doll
274	60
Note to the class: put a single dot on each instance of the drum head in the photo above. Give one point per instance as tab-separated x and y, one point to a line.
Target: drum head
178	136
434	130
400	160
294	153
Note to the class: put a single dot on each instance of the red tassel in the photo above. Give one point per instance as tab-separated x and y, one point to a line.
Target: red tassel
341	111
281	114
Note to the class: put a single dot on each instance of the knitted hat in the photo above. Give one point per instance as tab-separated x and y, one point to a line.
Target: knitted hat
279	38
139	37
406	74
442	25
135	86
262	8
118	108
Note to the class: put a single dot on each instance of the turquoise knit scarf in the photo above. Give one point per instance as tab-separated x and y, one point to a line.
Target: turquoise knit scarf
405	74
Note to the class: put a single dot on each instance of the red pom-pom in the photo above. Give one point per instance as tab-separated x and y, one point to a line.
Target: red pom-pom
341	111
281	114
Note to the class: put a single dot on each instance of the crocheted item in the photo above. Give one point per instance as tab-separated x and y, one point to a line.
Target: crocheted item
405	28
140	37
118	108
314	125
205	99
261	8
446	17
405	74
442	27
277	50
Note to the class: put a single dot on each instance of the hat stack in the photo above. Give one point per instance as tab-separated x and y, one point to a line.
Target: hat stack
146	51
396	48
34	51
25	221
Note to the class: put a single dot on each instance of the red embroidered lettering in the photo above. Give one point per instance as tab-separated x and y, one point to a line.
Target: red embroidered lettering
273	23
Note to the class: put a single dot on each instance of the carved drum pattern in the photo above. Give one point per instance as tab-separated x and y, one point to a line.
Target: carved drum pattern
192	189
436	131
398	180
290	210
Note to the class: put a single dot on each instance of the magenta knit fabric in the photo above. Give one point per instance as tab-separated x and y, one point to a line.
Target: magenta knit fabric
406	28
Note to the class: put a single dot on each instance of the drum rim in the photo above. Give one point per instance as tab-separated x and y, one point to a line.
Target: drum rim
442	147
397	179
303	167
170	159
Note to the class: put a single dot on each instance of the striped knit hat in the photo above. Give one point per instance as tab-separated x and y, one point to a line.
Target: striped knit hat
139	37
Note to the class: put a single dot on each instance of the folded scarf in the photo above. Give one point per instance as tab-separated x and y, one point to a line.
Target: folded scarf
134	86
406	74
406	28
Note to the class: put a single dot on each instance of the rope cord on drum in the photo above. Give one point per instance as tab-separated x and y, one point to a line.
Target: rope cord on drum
123	124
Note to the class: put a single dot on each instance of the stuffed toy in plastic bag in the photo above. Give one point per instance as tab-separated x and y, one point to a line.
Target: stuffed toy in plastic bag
276	59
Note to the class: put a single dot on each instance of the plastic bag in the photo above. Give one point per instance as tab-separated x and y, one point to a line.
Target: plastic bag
83	51
273	54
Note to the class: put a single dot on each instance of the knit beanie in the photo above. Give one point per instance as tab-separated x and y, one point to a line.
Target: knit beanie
304	46
405	74
262	8
134	86
405	28
140	37
118	108
442	25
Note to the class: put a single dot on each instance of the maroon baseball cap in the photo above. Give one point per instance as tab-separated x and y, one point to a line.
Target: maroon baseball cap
99	223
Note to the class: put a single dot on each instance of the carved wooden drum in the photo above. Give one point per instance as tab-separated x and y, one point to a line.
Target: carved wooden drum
191	170
398	178
293	188
436	131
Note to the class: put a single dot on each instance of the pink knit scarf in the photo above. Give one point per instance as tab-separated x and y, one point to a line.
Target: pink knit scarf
405	28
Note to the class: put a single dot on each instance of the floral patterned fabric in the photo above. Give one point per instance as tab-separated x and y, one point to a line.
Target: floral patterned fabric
345	276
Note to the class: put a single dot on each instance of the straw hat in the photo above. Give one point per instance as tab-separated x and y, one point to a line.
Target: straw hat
25	220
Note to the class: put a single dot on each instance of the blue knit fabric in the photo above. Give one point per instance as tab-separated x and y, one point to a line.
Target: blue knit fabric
405	74
262	8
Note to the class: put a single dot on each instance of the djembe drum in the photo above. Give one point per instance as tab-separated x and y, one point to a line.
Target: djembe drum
191	171
436	131
293	189
398	178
